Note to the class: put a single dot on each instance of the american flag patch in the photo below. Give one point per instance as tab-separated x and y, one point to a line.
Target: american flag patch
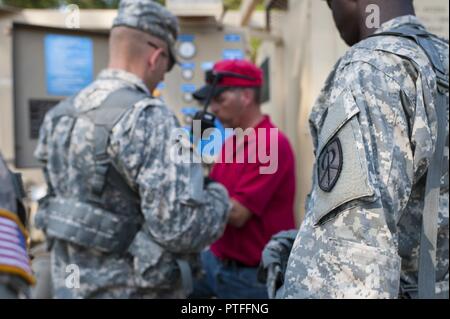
13	247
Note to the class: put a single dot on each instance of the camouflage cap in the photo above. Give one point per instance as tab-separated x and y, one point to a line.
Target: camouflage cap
151	17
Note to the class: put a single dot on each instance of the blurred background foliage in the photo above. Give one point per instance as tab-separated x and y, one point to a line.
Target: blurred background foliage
89	4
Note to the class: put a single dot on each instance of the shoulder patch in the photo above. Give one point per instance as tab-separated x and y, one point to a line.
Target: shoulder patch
330	165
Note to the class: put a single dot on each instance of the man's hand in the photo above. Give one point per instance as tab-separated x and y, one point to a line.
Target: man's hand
274	260
239	214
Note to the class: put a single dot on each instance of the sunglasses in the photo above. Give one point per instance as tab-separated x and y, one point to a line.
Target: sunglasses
214	77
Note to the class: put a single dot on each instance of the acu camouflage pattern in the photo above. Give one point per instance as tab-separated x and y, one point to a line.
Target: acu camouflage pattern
362	239
151	17
173	224
11	286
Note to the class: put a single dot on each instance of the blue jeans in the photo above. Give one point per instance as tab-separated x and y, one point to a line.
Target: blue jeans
227	281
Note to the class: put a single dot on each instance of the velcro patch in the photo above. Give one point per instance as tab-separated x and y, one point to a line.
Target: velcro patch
13	247
330	165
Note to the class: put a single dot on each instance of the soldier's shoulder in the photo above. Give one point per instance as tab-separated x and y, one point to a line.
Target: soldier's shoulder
392	57
154	110
381	50
384	51
147	115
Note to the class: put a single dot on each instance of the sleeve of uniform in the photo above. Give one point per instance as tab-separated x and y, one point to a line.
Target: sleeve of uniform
41	152
347	246
179	214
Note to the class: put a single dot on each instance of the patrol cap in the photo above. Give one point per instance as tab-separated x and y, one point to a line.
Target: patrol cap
152	18
230	74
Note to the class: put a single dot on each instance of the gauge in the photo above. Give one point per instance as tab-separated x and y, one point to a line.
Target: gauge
187	50
188	97
187	74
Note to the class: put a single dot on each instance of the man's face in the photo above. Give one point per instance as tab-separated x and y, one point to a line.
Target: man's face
346	17
228	108
160	63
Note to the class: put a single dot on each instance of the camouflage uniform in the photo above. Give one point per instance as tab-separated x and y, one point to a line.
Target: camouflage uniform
173	222
14	278
374	127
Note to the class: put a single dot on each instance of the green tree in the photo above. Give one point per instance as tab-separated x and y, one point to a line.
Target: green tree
32	3
84	4
88	4
232	4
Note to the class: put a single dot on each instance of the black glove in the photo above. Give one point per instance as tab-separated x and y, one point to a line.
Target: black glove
274	260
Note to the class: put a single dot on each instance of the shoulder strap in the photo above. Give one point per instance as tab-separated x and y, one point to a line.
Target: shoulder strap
428	237
105	117
423	39
64	108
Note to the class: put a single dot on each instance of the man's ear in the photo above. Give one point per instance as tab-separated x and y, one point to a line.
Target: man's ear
153	59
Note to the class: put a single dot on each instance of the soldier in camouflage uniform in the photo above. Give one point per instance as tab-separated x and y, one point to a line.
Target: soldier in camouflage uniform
123	219
15	269
374	128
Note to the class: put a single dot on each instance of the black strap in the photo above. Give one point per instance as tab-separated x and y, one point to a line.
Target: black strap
428	236
105	117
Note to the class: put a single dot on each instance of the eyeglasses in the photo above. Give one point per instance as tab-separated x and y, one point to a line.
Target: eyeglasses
164	54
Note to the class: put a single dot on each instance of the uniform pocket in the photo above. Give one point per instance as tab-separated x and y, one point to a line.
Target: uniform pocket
341	167
153	267
359	271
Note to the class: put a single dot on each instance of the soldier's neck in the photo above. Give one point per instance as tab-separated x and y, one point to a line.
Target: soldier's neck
127	67
386	14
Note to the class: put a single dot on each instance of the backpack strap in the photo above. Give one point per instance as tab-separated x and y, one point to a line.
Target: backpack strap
428	236
105	117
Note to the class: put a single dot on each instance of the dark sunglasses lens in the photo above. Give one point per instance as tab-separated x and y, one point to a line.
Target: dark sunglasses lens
209	76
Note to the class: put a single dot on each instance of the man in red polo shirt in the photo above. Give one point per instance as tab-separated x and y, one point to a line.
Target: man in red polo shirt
257	167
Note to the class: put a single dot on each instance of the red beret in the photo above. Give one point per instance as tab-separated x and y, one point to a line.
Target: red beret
231	73
252	76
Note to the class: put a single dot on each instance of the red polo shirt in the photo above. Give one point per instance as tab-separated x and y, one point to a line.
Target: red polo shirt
268	194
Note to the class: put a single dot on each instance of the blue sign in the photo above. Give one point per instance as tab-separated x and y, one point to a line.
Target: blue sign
186	38
215	141
206	66
232	38
188	66
233	54
188	88
161	86
69	63
189	111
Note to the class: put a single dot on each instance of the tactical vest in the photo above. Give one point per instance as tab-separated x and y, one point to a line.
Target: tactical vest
85	221
426	287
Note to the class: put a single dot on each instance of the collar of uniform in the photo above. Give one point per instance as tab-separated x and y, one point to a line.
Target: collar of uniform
399	21
125	76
